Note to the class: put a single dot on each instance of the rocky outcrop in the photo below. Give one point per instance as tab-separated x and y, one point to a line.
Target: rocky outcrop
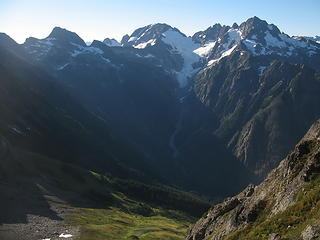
311	232
314	131
260	114
273	196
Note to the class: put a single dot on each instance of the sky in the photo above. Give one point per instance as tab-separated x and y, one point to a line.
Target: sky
98	19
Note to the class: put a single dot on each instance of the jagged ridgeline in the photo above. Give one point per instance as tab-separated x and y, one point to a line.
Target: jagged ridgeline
51	147
250	85
284	206
121	140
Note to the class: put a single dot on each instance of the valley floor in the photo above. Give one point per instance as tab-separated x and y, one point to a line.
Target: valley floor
49	217
27	213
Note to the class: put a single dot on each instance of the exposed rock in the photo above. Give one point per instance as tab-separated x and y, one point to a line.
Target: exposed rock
274	236
275	195
314	131
312	232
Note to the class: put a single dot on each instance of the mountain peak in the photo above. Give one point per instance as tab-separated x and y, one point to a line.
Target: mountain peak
148	33
210	34
253	23
111	42
235	25
6	40
256	21
159	27
257	26
125	39
153	29
64	35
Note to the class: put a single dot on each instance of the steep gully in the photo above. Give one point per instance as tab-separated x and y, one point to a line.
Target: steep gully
178	126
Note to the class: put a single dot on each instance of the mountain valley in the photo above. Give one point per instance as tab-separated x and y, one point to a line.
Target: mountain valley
137	139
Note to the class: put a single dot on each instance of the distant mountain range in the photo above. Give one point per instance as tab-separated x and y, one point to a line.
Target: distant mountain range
228	101
157	112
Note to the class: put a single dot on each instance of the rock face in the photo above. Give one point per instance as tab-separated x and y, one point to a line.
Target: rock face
213	33
255	105
314	131
111	42
239	216
312	232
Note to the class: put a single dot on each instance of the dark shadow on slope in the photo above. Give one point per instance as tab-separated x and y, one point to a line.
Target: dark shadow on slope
19	199
208	166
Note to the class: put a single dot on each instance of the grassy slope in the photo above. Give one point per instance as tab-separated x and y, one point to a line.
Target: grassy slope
114	223
290	223
100	207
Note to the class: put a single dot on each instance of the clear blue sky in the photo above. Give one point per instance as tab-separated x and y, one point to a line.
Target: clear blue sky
97	19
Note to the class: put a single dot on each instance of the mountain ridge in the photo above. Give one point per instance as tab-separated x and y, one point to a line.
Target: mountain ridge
266	211
170	70
115	131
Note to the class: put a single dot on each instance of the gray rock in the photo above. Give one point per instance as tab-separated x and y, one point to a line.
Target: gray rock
275	194
274	236
311	232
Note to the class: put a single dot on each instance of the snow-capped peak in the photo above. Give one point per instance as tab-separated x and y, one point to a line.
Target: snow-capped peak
259	38
144	36
315	39
185	47
173	41
111	42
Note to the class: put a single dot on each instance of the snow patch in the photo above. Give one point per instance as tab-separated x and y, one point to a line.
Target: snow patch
273	41
144	33
106	59
224	54
205	50
286	44
251	46
185	47
82	50
16	130
228	52
211	62
41	47
293	42
149	56
94	50
234	38
62	67
145	56
311	53
261	69
132	39
65	235
235	35
151	42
